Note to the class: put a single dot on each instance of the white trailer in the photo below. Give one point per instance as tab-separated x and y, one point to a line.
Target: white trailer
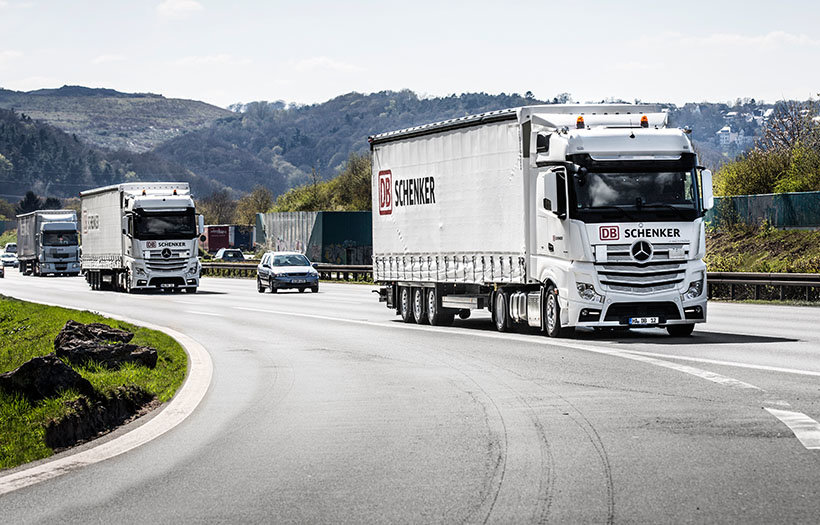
141	236
555	216
47	243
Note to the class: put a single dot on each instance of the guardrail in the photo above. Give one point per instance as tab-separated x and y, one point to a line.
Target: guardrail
720	284
328	272
762	285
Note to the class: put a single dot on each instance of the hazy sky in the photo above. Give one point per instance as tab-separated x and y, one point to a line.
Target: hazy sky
301	51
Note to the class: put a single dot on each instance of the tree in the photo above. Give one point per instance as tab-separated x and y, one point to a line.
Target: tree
6	210
259	200
52	203
218	208
31	202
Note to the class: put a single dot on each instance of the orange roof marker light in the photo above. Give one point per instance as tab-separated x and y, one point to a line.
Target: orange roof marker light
579	124
143	192
644	122
175	191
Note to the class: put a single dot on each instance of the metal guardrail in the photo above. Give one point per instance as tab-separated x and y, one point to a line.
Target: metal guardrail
719	283
328	272
760	282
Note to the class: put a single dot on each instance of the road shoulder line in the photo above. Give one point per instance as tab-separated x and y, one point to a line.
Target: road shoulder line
180	407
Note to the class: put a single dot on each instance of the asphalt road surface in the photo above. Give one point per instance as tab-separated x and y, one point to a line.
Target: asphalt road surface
326	408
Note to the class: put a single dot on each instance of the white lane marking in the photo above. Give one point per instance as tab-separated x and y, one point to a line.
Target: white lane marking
180	407
187	302
203	313
802	426
703	374
728	363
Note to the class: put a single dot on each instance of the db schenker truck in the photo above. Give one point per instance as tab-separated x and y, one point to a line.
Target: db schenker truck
47	243
139	236
552	216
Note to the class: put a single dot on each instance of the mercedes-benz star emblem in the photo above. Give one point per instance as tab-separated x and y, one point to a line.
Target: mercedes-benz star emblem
641	251
166	253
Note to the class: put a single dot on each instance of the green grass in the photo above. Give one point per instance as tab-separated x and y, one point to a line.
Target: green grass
28	330
762	249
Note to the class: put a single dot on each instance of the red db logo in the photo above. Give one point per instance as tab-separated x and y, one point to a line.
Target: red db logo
609	233
385	192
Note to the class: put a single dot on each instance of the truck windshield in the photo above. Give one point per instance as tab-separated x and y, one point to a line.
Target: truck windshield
60	238
165	225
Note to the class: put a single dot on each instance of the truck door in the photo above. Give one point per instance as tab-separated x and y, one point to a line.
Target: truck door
551	212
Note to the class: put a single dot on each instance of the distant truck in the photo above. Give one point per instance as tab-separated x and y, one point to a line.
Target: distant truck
47	243
219	236
554	216
139	236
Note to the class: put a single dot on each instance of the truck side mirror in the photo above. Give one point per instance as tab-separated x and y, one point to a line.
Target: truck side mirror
201	222
708	195
125	225
555	197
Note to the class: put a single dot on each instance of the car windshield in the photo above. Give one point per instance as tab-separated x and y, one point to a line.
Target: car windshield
60	239
233	255
290	260
165	225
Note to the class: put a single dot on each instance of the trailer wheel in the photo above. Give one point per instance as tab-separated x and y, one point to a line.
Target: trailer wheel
434	314
405	304
680	330
419	306
501	312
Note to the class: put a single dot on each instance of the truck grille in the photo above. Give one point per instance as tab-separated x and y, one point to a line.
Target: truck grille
157	263
664	269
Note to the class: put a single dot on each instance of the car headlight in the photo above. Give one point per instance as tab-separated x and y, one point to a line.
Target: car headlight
588	293
695	289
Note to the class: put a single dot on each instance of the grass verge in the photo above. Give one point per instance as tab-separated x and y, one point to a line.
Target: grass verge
28	330
762	249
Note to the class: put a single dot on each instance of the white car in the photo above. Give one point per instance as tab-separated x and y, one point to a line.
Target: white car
280	270
9	259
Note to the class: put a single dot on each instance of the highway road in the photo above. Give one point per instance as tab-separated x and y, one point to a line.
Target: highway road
326	408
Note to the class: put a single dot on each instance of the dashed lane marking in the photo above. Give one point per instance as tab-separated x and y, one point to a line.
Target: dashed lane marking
804	428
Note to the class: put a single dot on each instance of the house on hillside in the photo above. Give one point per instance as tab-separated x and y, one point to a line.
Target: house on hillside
726	136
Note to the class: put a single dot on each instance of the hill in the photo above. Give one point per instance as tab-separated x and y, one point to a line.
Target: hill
39	157
110	119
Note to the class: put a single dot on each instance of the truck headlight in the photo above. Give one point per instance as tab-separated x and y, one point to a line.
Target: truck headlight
695	289
139	271
588	293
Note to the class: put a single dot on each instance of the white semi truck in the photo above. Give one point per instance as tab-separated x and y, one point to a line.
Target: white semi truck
47	243
139	236
554	216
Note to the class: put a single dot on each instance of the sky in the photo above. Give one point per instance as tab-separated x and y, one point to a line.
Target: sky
225	52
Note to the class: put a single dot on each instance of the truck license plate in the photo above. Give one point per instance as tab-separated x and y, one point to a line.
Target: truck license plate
167	285
643	320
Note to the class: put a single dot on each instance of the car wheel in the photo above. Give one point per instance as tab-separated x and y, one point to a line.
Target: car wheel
314	289
302	290
259	286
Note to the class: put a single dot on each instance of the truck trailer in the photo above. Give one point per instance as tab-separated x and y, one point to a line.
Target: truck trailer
139	236
552	216
47	243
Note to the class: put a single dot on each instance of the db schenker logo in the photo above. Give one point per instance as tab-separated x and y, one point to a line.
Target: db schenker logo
385	192
609	233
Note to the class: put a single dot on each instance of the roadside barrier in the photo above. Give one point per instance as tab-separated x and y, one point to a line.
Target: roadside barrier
734	285
771	286
327	272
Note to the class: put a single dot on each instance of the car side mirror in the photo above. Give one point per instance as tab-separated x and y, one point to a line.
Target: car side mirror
708	192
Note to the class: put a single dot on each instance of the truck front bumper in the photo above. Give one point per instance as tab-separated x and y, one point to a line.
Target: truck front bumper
636	311
60	268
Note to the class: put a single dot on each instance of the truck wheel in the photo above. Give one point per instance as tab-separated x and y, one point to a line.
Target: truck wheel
405	304
434	314
680	330
501	312
552	315
259	286
419	306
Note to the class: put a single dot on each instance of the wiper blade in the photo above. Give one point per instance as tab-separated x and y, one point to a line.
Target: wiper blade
679	211
617	208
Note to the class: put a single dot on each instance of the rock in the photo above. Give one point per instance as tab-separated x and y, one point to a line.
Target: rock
43	377
78	334
79	343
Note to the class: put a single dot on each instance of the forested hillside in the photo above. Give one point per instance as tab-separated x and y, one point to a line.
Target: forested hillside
38	157
109	119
